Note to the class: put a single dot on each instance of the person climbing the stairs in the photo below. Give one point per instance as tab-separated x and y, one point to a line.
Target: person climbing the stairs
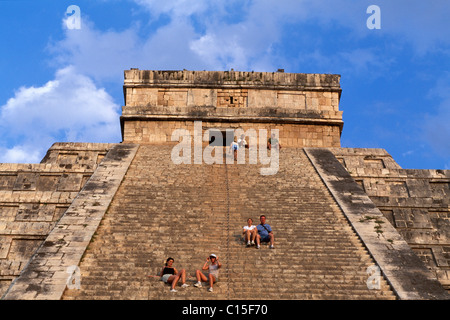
242	142
170	275
265	233
213	275
234	147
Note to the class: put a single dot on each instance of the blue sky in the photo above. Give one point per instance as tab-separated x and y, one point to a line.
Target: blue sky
60	84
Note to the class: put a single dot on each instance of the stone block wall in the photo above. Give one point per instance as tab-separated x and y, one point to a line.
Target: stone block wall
232	98
290	135
305	107
33	197
416	203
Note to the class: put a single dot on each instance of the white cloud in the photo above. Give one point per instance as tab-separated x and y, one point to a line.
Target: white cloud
100	55
423	24
224	42
221	52
103	55
219	35
175	8
213	35
20	154
68	108
206	34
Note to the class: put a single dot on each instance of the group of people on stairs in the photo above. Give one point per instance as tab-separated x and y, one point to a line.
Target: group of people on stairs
253	235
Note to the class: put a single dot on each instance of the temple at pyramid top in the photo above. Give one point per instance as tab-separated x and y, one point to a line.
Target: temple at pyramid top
304	107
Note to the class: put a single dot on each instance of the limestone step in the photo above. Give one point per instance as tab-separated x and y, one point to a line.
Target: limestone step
189	211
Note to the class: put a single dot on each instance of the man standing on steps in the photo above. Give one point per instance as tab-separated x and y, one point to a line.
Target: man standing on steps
265	233
273	142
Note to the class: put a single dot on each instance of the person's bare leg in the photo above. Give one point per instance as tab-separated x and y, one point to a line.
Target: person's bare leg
175	281
183	276
211	280
253	235
200	276
247	236
272	239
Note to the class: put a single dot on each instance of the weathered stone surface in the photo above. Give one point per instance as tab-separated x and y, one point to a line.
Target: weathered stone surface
305	107
89	210
46	276
224	79
416	203
189	211
403	269
33	198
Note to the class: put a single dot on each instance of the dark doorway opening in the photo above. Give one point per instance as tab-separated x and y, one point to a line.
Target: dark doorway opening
220	138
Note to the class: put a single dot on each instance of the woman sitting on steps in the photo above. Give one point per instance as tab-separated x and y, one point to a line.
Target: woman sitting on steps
171	275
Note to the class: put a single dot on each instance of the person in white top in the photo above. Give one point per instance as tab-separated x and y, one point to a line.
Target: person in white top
234	147
249	233
241	142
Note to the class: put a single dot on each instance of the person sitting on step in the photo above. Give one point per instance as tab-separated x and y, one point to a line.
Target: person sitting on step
249	233
213	275
171	275
265	233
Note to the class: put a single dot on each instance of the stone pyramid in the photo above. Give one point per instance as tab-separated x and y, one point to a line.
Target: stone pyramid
98	221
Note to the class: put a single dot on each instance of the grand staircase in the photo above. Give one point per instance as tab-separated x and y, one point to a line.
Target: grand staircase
189	211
